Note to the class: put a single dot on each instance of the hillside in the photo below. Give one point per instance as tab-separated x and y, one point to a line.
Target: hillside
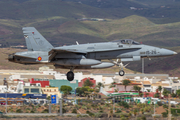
154	23
58	21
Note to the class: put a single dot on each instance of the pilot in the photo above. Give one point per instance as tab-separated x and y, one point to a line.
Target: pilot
123	41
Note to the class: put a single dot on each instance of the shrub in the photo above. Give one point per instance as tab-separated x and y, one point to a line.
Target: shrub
90	114
93	105
124	118
84	107
156	95
138	118
172	105
63	110
174	111
107	105
32	111
74	111
159	103
164	114
124	104
98	115
45	111
18	111
165	106
118	110
143	117
147	109
100	108
173	95
141	94
78	116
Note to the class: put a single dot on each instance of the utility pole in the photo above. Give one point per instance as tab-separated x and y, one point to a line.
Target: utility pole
6	101
75	95
154	109
169	110
142	65
60	107
49	106
113	104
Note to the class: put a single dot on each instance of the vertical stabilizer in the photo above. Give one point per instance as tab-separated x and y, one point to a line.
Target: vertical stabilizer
35	41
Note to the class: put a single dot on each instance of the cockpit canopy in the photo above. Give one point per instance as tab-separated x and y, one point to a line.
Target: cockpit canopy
127	41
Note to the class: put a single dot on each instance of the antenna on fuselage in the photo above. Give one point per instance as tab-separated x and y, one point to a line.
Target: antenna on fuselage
77	43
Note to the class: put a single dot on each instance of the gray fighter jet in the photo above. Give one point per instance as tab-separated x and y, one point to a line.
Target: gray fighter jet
83	56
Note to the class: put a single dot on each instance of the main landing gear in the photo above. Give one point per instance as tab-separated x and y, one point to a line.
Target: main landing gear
70	75
121	72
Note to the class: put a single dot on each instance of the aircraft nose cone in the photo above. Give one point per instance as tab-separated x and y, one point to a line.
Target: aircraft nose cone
166	52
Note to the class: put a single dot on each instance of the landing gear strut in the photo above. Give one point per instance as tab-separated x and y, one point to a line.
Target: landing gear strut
121	72
70	75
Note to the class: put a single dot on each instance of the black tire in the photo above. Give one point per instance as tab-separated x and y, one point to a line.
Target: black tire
70	76
121	73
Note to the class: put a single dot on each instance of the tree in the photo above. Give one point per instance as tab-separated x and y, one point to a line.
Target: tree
173	95
125	83
148	90
137	88
112	85
79	91
99	85
178	93
165	92
84	91
88	83
49	98
160	89
156	95
65	89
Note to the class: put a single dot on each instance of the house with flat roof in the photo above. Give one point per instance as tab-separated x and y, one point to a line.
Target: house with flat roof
51	91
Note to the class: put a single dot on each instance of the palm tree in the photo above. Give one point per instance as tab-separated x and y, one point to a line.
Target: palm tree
137	88
160	89
125	83
99	85
112	85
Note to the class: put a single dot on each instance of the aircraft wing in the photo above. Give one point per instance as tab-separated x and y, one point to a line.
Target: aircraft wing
53	52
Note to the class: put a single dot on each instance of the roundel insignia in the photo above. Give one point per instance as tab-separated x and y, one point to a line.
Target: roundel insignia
39	58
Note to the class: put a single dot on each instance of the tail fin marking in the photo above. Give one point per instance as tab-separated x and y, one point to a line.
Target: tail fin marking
35	41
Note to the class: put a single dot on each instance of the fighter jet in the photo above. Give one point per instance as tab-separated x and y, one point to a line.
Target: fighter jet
83	56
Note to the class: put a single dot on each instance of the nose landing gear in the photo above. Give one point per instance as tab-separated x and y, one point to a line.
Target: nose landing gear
121	72
70	74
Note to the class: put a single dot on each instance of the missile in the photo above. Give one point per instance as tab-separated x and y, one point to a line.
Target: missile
102	65
99	66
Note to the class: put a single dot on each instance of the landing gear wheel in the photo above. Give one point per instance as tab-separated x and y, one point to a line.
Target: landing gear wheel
121	73
70	76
